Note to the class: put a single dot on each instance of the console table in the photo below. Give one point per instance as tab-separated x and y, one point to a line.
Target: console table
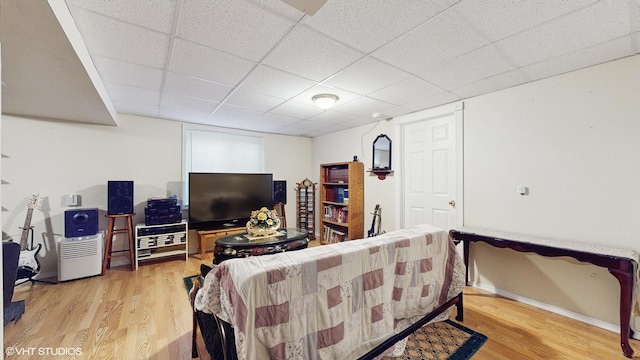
242	245
621	263
204	235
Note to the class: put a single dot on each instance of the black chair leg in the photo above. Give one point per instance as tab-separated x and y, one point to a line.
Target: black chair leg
194	344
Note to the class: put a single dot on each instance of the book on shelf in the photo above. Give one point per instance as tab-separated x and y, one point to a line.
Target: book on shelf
337	174
333	236
336	213
330	194
337	194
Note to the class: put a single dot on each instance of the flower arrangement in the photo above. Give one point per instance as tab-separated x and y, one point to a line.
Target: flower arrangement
264	218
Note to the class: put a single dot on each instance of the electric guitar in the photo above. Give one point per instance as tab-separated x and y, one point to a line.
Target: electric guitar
376	213
28	264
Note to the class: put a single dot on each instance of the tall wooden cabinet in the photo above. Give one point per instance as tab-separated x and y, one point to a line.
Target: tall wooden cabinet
341	201
305	207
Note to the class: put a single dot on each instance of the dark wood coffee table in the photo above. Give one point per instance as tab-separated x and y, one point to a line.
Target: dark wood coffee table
242	245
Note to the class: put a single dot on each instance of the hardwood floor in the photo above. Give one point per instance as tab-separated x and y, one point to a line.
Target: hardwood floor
146	315
520	331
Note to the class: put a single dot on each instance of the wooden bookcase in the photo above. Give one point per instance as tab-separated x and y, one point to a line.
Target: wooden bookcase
341	201
305	207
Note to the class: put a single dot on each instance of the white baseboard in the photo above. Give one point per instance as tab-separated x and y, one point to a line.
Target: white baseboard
554	309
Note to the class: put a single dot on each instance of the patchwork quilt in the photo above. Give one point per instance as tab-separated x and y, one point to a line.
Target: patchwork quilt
335	301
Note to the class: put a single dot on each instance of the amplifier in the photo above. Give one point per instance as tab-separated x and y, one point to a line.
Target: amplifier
162	219
162	210
156	230
162	202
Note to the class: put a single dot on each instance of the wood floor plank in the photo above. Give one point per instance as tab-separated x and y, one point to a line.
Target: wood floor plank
146	314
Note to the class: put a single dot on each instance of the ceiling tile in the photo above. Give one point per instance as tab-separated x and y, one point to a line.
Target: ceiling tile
209	64
194	87
280	8
125	73
472	66
128	107
309	54
275	120
182	115
133	94
497	19
260	126
306	125
180	102
227	115
610	50
441	38
405	91
292	131
157	15
359	121
357	77
363	106
270	81
368	24
236	27
331	117
296	110
119	40
569	33
253	100
425	103
326	130
494	83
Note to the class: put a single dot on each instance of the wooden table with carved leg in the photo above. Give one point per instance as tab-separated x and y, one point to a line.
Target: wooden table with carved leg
620	263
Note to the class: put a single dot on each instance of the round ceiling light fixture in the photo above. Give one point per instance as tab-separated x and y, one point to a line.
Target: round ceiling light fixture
325	101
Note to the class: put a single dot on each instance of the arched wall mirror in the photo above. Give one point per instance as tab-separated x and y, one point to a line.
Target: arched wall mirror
381	156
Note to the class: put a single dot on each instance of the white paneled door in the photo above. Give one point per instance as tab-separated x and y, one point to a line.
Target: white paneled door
429	172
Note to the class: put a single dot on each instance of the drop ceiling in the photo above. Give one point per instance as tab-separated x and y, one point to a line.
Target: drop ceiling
255	64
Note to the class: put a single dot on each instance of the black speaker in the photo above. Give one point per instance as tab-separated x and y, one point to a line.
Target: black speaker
80	222
120	197
280	192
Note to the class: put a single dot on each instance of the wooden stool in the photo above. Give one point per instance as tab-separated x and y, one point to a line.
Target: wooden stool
111	231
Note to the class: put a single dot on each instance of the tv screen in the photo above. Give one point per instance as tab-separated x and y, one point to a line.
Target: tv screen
218	200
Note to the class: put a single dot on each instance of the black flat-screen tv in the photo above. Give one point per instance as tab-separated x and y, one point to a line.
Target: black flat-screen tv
220	200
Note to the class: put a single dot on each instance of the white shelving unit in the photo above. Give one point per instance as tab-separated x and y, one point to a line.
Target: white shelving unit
160	241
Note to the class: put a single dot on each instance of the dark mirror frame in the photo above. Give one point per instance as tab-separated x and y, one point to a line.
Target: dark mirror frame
383	171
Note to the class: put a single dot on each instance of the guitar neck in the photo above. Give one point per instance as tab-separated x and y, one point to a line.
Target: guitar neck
25	230
373	222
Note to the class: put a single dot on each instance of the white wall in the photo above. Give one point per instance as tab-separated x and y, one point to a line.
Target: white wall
59	158
342	146
1	270
573	140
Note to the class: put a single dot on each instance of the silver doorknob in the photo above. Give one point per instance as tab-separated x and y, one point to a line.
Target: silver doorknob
452	203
